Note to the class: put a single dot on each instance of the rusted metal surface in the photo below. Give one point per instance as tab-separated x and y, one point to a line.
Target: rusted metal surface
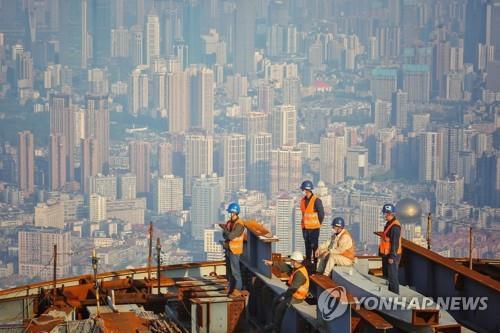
425	317
361	319
123	322
258	247
438	277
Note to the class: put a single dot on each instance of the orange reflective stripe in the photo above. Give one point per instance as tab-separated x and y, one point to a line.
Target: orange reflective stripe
303	290
236	244
385	242
350	253
310	219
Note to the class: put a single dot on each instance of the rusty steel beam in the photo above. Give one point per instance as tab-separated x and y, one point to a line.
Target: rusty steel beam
360	318
258	247
436	276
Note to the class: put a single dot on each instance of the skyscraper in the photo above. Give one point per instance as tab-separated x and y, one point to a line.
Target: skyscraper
206	202
89	162
452	139
139	153
138	91
192	30
152	37
255	122
62	122
284	219
26	166
136	45
383	82
284	126
164	154
97	126
199	158
97	207
430	157
100	28
450	190
286	169
244	48
178	102
399	110
57	162
371	220
265	98
417	83
202	100
259	147
381	114
234	162
291	91
332	158
488	170
167	194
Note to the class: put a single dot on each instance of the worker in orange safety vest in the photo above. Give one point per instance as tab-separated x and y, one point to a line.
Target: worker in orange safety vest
298	288
233	234
390	247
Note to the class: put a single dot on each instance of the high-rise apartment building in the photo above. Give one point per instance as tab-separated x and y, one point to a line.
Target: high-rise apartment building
164	156
152	37
178	102
284	126
62	122
57	162
167	194
139	153
104	186
234	162
357	163
332	157
127	187
371	220
450	190
265	98
207	197
202	100
258	150
383	82
430	157
244	48
399	110
26	164
97	127
89	162
97	208
199	158
381	114
417	83
284	219
286	169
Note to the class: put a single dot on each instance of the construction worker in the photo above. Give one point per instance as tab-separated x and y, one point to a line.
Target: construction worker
298	288
233	233
313	214
390	247
339	250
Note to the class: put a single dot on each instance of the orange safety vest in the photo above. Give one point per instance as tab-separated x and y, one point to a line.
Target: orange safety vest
236	244
350	253
303	290
310	219
385	241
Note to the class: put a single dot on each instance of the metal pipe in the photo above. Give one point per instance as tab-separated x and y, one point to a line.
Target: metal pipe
429	230
94	267
470	247
54	274
158	251
150	256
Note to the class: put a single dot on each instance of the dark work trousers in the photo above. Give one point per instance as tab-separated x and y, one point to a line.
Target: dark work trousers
390	272
280	304
233	271
311	237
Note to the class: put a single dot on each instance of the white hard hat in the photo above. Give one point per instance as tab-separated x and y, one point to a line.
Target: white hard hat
297	256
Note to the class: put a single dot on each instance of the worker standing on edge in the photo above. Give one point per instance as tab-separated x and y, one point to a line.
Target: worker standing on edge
313	214
233	245
338	251
390	247
298	288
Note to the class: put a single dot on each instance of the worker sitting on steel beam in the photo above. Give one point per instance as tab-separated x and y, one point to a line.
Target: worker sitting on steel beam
338	250
390	247
233	234
298	288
